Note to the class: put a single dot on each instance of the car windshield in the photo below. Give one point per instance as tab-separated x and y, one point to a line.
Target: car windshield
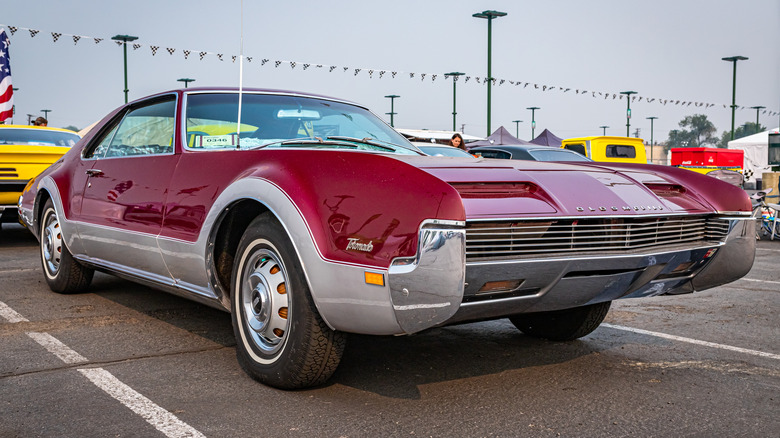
556	155
279	121
37	137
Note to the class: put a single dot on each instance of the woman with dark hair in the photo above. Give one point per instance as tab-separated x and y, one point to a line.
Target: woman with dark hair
457	141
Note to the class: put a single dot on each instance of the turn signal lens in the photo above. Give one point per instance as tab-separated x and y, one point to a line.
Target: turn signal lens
374	278
500	286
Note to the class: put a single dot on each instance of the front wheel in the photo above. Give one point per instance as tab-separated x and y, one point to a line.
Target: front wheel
281	339
63	273
562	325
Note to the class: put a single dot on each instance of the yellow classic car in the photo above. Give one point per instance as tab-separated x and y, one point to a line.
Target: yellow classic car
25	151
608	148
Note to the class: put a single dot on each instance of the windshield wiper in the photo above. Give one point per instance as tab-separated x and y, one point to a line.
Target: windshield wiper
367	140
304	141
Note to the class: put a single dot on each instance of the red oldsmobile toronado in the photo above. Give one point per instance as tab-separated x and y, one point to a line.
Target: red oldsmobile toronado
308	217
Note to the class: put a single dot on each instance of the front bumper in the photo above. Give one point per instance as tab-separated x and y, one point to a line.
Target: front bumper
553	284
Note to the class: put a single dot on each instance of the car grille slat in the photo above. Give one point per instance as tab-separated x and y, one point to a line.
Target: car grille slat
512	239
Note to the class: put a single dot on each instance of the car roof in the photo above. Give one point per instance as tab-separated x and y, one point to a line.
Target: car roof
514	147
45	128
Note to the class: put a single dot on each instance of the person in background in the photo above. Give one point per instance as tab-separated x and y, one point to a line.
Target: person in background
40	121
457	141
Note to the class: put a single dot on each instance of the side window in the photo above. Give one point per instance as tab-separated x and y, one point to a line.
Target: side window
576	147
100	150
494	154
143	131
620	151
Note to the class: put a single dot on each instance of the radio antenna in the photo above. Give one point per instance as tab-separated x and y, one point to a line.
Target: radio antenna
240	77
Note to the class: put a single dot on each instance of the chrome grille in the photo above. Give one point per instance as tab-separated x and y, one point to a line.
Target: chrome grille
517	239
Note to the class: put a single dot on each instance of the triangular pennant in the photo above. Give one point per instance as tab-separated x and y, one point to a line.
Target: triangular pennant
33	32
76	39
154	49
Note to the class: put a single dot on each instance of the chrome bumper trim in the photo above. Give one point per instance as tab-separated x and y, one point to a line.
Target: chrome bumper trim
427	290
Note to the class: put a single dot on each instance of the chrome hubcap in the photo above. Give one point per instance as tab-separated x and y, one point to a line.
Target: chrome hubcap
51	244
264	300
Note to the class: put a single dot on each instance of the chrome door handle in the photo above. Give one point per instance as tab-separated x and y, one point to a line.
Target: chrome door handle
94	172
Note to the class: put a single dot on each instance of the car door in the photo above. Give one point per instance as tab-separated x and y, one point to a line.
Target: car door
125	189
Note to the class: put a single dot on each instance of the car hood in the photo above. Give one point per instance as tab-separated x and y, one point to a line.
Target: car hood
508	188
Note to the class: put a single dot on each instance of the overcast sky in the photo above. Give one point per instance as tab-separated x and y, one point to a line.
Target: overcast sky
667	50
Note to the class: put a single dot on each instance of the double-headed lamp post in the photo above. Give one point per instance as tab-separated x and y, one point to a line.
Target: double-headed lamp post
454	76
392	112
185	80
628	110
757	108
517	127
652	119
125	39
489	16
603	129
734	60
533	119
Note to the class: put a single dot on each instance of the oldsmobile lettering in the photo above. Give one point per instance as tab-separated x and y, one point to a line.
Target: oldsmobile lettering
356	245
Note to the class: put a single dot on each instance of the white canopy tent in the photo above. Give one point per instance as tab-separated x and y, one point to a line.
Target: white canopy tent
756	149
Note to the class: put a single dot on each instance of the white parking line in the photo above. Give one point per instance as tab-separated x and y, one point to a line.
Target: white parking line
767	249
158	417
693	341
10	314
761	281
162	420
57	348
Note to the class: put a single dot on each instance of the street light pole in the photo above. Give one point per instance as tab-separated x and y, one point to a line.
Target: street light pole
517	127
628	111
603	129
734	59
652	119
533	119
757	108
454	75
46	114
392	107
489	15
185	80
125	39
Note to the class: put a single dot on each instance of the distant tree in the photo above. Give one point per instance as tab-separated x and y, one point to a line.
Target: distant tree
696	131
72	128
739	132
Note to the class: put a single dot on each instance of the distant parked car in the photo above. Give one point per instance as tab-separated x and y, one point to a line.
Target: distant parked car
441	150
25	151
527	152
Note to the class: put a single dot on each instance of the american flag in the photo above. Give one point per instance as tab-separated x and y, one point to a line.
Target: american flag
6	89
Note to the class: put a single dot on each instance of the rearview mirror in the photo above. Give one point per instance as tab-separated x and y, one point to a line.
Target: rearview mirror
301	114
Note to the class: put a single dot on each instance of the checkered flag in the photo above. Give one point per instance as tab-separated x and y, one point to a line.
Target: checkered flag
264	61
357	70
33	32
186	53
278	62
97	40
13	29
154	49
202	54
170	50
136	46
76	39
332	67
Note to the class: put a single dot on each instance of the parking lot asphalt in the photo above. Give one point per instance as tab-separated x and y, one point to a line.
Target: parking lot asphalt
124	360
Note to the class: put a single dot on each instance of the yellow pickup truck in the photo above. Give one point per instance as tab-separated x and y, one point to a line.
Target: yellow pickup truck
608	148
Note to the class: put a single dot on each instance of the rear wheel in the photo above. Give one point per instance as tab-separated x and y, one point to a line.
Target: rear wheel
562	325
281	339
63	273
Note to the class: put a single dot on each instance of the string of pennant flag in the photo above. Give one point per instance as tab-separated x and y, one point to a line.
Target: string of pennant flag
372	72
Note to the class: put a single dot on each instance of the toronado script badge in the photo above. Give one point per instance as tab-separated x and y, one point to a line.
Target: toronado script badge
355	244
624	208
